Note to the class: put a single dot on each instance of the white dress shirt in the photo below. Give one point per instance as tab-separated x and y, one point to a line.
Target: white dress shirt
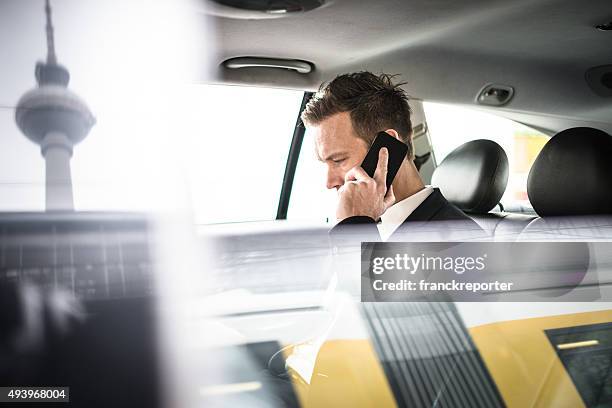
398	212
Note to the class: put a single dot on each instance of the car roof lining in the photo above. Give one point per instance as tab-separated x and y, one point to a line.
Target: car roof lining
445	50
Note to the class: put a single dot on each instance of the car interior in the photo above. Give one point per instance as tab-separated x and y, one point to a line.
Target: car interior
141	308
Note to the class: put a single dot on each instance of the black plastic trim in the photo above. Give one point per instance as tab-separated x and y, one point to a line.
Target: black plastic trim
292	160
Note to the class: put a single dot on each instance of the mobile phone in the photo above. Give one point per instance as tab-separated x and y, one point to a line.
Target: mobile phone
397	153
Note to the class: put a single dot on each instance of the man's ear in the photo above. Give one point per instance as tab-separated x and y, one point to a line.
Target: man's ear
393	133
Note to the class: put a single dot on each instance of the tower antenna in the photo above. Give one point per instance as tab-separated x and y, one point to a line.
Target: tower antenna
51	57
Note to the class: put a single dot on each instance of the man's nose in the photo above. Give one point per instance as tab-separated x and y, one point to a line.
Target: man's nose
334	179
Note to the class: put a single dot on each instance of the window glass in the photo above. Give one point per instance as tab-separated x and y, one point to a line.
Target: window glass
310	199
225	154
240	144
225	159
585	354
161	140
451	126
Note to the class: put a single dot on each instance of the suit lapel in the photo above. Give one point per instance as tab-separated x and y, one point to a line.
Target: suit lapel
428	208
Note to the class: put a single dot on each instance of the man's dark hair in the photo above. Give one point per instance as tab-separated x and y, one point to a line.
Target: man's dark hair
375	104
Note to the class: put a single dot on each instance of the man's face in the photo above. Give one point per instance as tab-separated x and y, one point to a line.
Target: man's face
338	147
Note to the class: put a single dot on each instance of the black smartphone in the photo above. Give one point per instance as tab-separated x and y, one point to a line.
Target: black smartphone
397	153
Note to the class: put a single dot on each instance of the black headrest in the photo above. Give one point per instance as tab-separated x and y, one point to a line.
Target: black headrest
572	175
473	176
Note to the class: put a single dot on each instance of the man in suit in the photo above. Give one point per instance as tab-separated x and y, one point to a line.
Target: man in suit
345	116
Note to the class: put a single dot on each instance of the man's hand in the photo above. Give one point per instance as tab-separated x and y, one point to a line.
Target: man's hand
364	195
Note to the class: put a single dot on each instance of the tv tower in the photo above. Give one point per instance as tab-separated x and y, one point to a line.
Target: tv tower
55	118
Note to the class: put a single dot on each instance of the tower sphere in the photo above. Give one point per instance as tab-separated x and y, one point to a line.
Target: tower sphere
52	107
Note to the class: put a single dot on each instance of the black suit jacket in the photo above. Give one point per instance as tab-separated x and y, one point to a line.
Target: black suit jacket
434	208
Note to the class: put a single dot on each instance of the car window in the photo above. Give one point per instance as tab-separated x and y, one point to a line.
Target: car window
451	126
239	147
161	140
224	158
310	199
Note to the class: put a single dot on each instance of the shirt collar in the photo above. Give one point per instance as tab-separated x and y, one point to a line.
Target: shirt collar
398	212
